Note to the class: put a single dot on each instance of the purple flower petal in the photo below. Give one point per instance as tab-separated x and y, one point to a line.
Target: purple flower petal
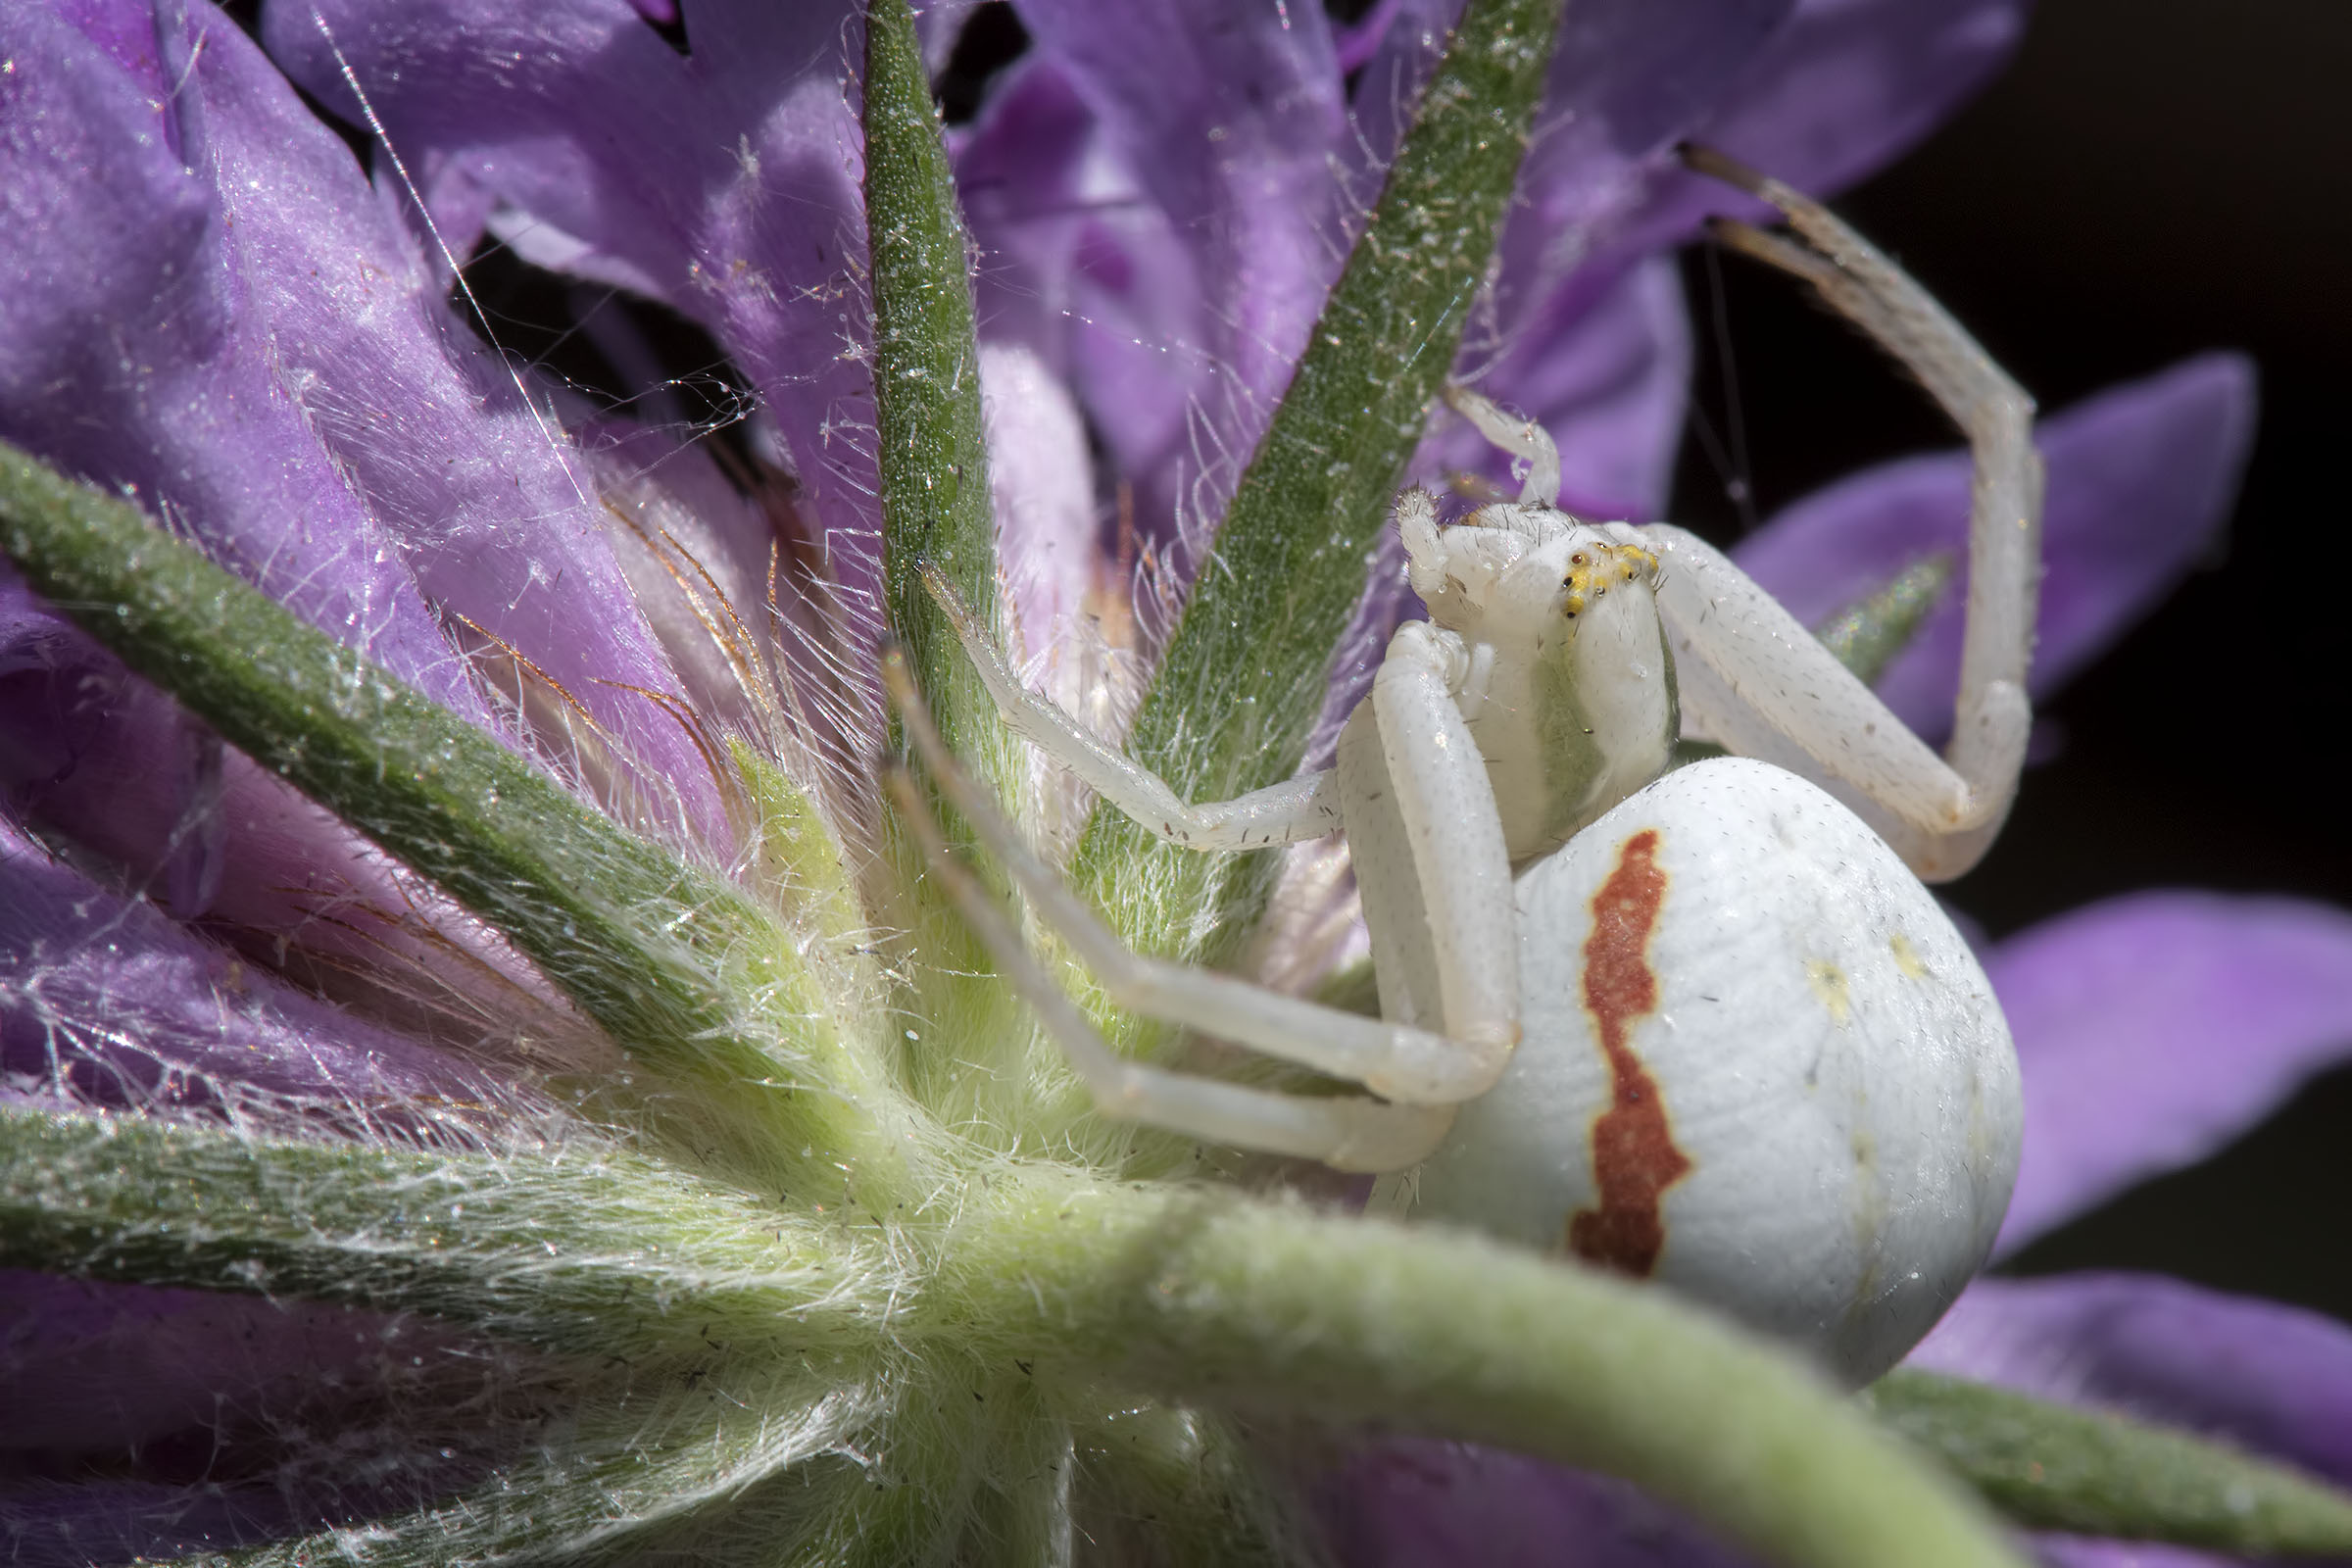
1227	111
1846	87
1631	79
1415	1503
503	530
2154	1029
1611	385
2140	482
128	351
224	1420
107	997
112	764
2273	1379
1084	270
722	181
1153	190
300	399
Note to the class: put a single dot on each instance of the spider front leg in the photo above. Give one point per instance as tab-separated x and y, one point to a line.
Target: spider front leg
1411	792
1289	812
1425	1071
1756	681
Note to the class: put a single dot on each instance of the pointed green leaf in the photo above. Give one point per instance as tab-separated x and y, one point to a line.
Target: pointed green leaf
1244	676
936	503
578	1249
1868	633
2057	1467
655	952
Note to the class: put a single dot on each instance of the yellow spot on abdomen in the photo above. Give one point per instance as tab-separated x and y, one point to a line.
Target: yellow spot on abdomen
1828	984
1906	957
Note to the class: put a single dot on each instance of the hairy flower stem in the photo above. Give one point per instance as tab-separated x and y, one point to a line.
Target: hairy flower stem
1045	1284
1211	1296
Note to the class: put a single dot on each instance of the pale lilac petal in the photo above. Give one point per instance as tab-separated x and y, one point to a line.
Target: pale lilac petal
130	352
2154	1029
2077	1551
723	181
1043	483
108	999
112	764
1228	111
1417	1503
216	1417
503	528
2140	483
2275	1380
1843	89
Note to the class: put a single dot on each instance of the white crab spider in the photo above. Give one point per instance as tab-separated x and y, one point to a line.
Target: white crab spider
1759	1063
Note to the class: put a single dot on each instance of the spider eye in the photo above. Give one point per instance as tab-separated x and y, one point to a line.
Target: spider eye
1579	560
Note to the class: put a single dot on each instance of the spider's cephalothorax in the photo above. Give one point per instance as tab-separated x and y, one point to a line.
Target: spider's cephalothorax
1702	1025
1568	684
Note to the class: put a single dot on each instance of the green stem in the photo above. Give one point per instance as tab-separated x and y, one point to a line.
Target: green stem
1245	1304
1266	613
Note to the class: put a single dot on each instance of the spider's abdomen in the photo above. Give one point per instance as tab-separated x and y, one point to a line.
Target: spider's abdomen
1759	1066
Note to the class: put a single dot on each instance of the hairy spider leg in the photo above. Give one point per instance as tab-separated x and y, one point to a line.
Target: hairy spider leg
1523	439
1347	1132
1756	680
1412	793
1289	812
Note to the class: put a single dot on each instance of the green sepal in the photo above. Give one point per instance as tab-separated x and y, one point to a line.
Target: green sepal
579	1249
653	950
801	863
763	1464
1182	1487
1290	554
2058	1467
930	446
1868	633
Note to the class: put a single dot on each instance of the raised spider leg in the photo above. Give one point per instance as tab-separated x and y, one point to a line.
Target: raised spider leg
1521	439
1347	1132
1289	812
1758	670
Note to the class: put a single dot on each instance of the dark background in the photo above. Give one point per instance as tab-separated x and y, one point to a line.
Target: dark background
2149	179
